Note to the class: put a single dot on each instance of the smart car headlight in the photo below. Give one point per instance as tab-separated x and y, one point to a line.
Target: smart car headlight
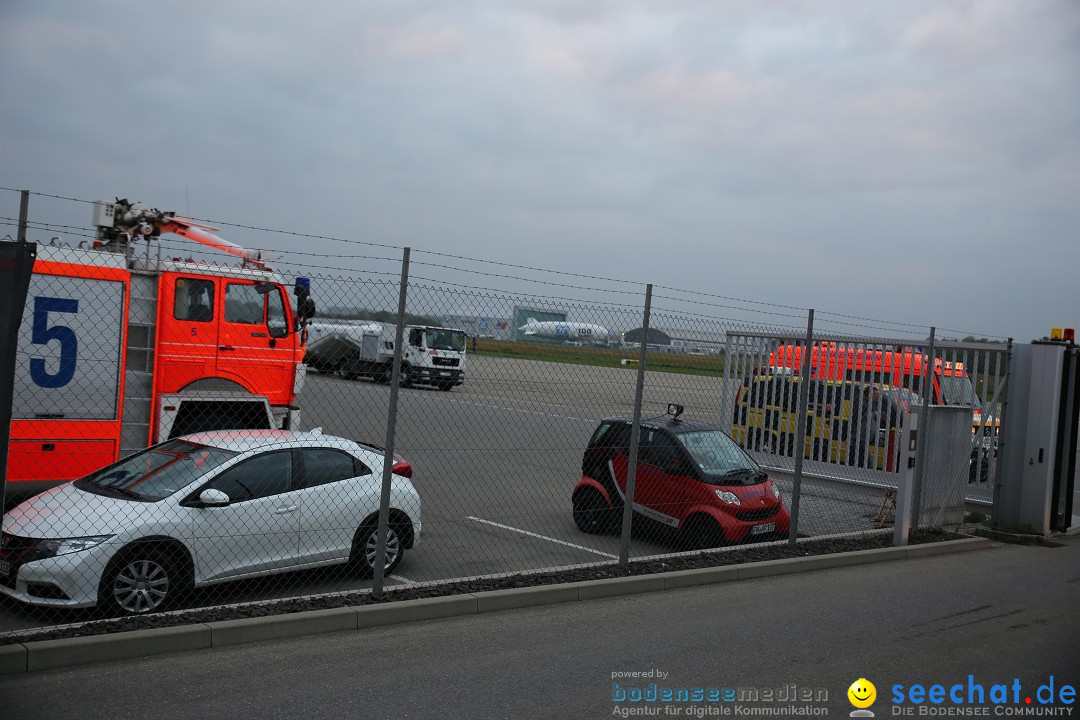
729	497
63	546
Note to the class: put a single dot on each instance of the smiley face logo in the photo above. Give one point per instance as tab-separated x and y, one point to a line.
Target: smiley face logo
862	693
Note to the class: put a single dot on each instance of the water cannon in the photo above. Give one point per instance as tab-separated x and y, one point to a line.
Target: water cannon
119	222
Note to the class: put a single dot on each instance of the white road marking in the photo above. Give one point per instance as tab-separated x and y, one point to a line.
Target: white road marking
402	578
542	537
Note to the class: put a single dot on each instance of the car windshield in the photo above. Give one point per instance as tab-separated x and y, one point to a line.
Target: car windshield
717	454
157	472
446	340
957	390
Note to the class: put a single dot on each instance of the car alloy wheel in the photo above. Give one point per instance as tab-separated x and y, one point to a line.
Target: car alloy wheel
367	544
141	585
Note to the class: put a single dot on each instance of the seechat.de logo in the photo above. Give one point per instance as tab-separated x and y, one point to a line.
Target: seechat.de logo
862	694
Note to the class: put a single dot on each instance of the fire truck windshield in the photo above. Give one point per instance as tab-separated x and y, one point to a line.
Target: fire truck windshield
157	472
957	390
446	340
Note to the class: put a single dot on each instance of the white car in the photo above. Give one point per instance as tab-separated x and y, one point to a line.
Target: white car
204	509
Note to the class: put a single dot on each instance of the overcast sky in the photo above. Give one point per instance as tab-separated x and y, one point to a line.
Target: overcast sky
913	162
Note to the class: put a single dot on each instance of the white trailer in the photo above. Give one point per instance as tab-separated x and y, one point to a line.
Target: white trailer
431	355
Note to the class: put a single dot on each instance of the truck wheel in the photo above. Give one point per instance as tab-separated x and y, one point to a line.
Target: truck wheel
343	365
406	378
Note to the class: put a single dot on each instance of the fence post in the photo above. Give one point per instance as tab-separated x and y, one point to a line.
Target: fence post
999	451
924	432
15	271
635	431
391	426
800	428
24	211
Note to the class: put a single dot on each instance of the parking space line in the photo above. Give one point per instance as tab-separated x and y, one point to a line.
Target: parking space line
541	537
403	579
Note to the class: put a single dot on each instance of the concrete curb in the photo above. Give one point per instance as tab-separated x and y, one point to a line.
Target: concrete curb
44	654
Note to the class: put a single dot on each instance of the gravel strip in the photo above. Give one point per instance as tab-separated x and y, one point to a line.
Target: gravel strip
280	607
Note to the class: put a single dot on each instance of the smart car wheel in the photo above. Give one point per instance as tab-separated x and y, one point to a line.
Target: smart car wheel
591	513
142	582
366	544
701	533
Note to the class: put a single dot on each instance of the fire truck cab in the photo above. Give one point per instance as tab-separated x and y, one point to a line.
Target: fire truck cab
118	351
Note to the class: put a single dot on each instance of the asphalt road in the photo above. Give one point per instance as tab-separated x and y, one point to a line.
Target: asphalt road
495	461
997	615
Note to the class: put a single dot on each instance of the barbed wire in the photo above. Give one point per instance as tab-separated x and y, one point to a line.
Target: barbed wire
488	261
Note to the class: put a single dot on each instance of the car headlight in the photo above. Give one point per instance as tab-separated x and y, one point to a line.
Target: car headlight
776	492
729	497
63	546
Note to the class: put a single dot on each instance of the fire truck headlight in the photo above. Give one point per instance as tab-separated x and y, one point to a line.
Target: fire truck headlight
63	546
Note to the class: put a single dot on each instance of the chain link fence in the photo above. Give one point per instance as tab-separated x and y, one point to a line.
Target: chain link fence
424	429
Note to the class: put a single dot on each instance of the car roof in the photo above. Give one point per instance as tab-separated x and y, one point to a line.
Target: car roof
245	440
666	422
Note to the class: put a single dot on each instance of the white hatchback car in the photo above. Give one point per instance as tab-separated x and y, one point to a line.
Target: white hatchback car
203	509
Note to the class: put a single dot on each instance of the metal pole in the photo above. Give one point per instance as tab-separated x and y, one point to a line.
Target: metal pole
921	442
800	428
24	209
999	451
635	432
24	212
391	426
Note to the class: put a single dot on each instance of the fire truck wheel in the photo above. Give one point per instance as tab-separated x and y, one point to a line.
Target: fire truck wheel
701	532
591	514
142	580
362	559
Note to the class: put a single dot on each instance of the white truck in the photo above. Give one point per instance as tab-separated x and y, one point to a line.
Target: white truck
430	356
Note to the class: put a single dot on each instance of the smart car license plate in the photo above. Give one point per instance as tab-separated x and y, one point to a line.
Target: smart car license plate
5	568
759	529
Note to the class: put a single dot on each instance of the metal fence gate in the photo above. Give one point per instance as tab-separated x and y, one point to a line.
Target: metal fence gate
858	390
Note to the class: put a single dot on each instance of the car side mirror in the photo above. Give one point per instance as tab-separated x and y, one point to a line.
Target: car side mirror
213	498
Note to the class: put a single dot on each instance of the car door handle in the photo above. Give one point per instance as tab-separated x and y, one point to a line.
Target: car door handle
286	510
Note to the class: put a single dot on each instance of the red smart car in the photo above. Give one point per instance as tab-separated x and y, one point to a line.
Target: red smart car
690	476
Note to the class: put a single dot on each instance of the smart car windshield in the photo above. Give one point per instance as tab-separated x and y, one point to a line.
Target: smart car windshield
157	472
717	454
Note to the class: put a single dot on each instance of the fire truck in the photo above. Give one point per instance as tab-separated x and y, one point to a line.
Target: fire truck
903	368
118	350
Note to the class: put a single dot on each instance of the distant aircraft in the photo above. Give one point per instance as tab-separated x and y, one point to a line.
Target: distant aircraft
559	330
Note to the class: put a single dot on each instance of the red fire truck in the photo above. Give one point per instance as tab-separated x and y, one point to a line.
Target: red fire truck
902	368
118	349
